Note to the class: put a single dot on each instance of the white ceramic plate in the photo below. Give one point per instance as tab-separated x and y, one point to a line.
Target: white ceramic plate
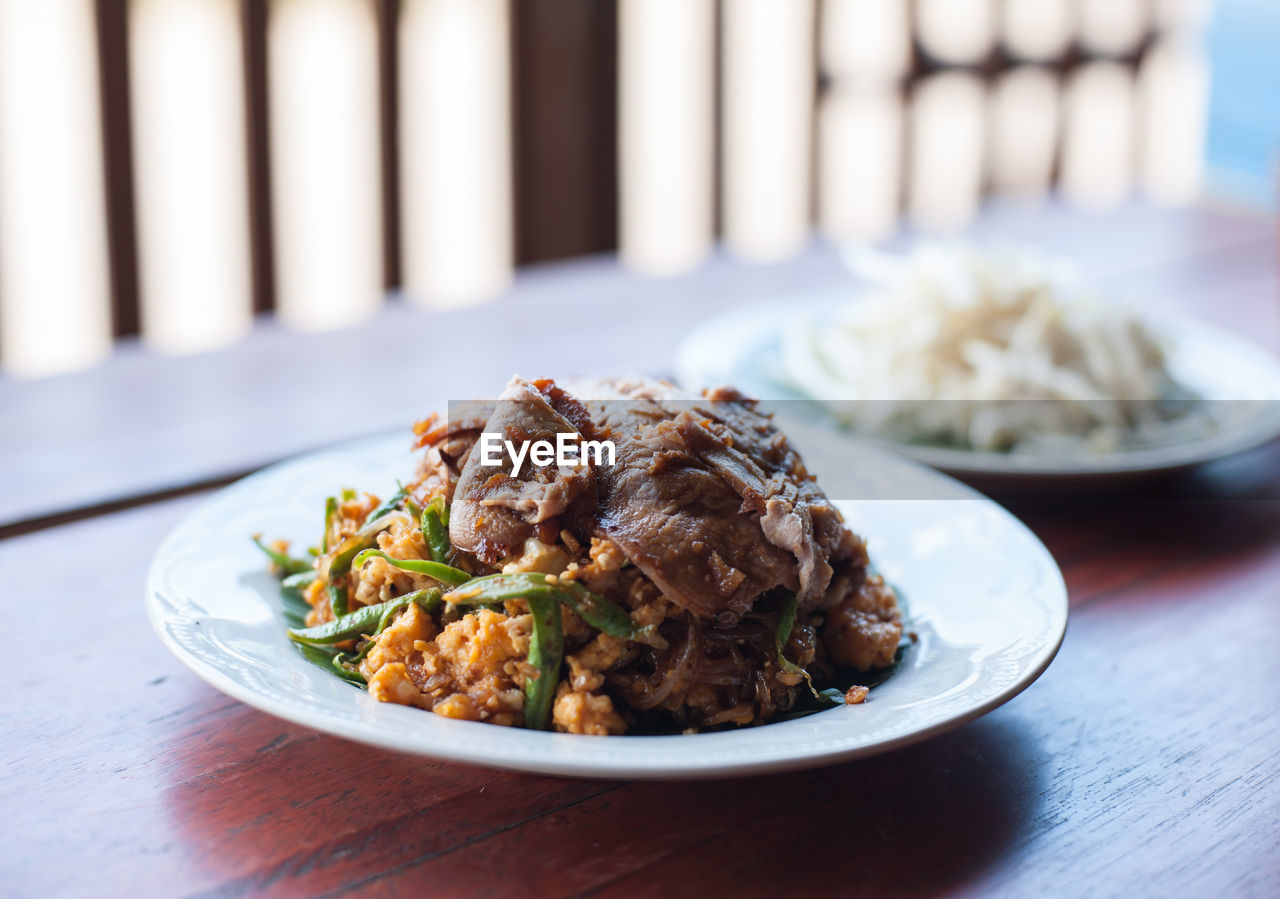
744	348
985	597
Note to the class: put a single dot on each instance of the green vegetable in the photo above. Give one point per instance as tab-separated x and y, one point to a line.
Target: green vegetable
340	564
295	585
393	503
435	530
330	518
595	610
324	658
546	652
786	621
344	667
445	574
364	622
283	561
834	696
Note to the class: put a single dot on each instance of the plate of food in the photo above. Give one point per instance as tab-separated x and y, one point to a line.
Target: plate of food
610	578
996	363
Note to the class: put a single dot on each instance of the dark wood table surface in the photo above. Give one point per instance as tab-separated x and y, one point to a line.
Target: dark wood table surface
1144	762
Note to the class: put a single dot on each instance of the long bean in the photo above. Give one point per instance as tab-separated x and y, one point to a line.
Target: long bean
546	652
786	621
324	657
295	585
344	667
330	517
445	574
393	503
435	530
365	621
286	563
595	610
340	564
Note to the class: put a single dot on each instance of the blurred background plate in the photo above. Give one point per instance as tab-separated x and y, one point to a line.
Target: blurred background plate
1239	380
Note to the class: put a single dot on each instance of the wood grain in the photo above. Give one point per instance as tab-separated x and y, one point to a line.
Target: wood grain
1142	762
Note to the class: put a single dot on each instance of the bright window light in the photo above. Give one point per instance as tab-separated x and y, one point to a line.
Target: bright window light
1098	151
768	122
325	160
55	306
860	161
455	150
948	116
666	120
187	86
956	31
1024	130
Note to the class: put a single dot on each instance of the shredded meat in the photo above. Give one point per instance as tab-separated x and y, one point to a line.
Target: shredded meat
702	529
697	485
496	509
447	446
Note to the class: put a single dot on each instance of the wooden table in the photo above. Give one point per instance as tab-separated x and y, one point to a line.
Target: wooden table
1143	762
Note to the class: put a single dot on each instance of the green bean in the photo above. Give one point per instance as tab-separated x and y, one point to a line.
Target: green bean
363	539
342	666
299	581
330	516
365	621
324	658
786	621
393	502
434	522
445	574
295	585
337	598
340	564
546	652
286	563
595	610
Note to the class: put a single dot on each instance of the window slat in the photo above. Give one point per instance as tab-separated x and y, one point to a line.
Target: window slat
945	180
768	109
1174	92
666	109
956	32
1098	151
1024	130
455	150
865	39
55	297
860	173
187	86
325	158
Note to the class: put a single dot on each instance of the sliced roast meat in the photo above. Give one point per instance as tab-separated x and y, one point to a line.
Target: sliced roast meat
733	439
706	496
447	444
677	521
711	502
682	526
496	508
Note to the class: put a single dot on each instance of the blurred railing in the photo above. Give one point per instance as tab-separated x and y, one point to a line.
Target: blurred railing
169	168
